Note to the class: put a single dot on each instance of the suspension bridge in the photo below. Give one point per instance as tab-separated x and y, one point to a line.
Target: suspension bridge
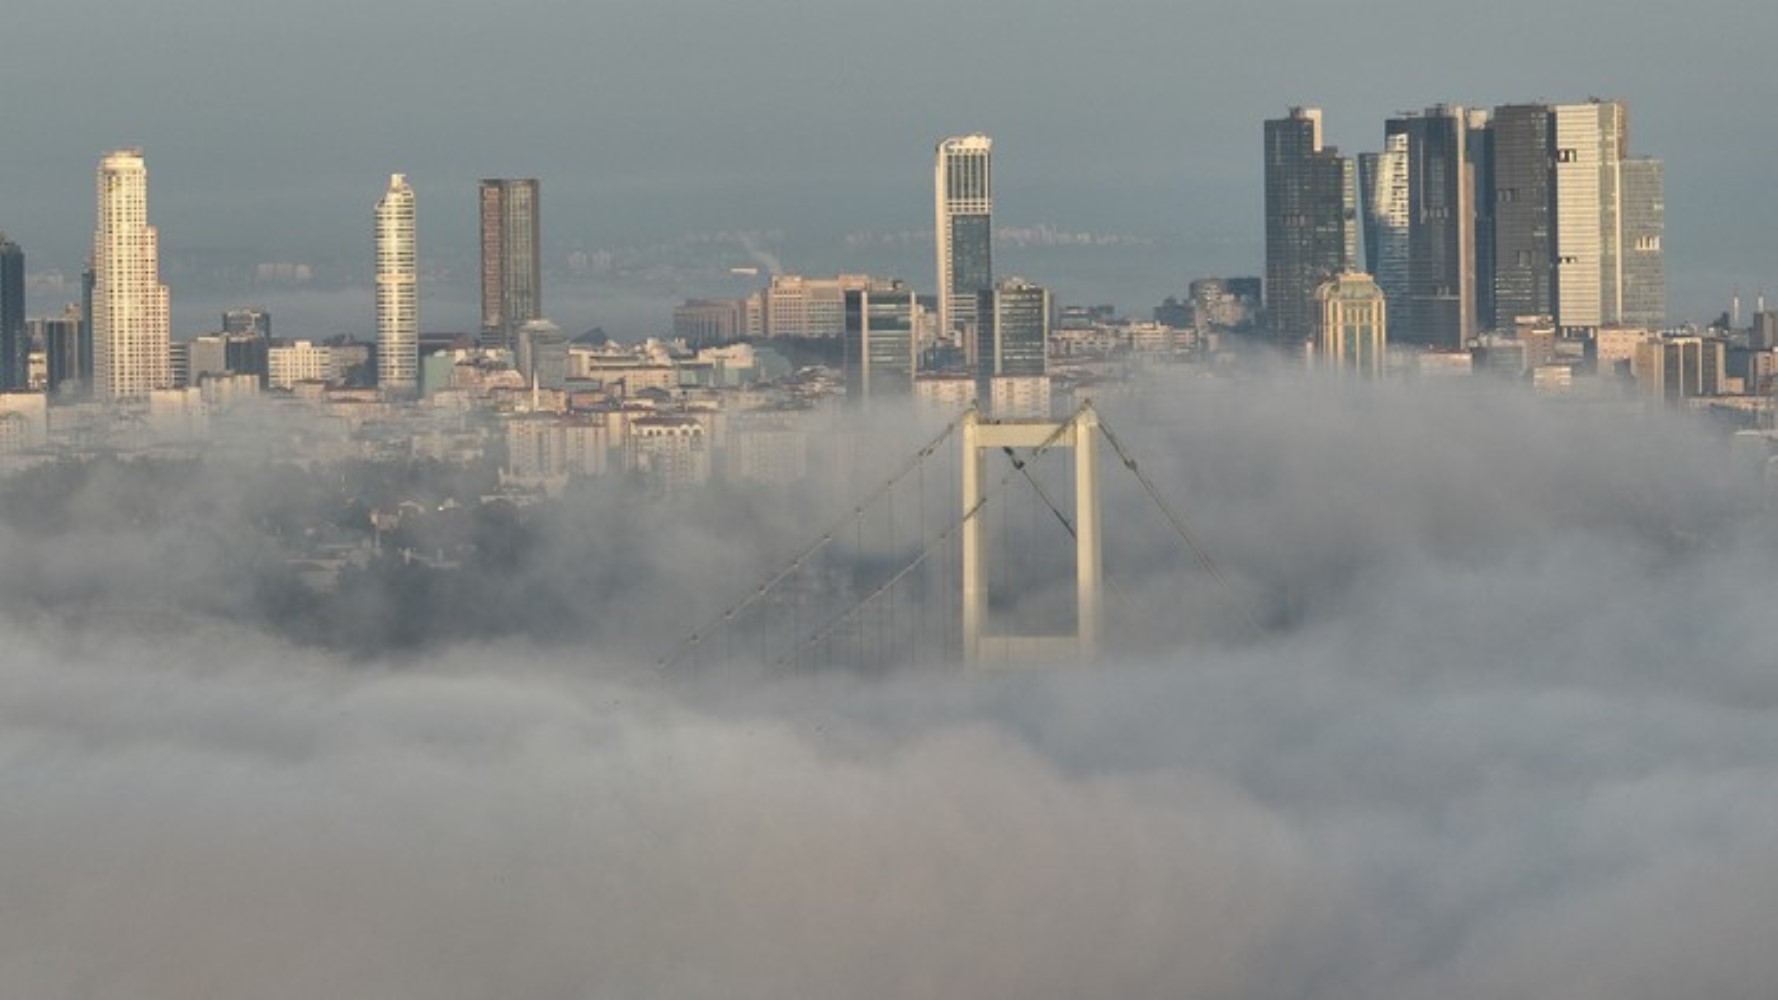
926	568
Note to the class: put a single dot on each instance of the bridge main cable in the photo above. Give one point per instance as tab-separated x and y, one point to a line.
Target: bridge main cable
772	580
1178	524
928	548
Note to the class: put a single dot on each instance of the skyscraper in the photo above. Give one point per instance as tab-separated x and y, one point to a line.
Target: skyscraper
1352	326
1311	219
1642	260
964	202
512	259
1524	155
1012	334
1383	180
1441	307
879	344
398	290
15	346
129	313
1585	224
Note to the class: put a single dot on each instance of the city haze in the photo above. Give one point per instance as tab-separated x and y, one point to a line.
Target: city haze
269	132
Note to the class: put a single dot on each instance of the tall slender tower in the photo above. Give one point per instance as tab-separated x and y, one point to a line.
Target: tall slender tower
512	259
1311	220
398	291
1586	228
963	188
1383	184
14	346
1641	259
1524	161
1441	308
129	315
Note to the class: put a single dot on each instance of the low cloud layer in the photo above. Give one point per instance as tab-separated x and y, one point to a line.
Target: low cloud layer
1508	730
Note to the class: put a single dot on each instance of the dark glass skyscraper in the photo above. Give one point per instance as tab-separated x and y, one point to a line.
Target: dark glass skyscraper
1643	261
1441	309
1012	334
879	342
15	346
512	259
1311	220
1524	150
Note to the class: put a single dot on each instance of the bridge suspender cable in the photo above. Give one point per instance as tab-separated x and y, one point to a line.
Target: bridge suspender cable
767	584
926	550
1178	525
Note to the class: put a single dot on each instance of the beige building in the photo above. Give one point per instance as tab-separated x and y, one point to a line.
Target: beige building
671	451
797	306
130	310
24	421
398	291
1351	325
299	361
1615	349
1674	368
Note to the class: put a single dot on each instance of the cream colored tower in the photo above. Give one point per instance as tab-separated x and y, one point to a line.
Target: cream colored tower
130	355
963	188
398	291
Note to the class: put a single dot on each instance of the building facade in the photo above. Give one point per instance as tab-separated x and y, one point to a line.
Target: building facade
397	290
15	345
1352	325
1441	306
1583	218
1524	155
880	346
963	188
1012	334
512	258
1642	261
799	306
1383	186
129	303
1311	196
298	361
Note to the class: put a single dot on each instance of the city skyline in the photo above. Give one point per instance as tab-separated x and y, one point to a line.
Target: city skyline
1645	288
266	168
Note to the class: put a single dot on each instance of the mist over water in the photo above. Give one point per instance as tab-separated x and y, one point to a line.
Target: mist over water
1505	728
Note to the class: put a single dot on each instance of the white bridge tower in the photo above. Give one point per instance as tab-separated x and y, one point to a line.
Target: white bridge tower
980	435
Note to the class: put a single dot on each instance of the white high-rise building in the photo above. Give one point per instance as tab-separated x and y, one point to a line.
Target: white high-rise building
1588	218
398	290
129	313
964	199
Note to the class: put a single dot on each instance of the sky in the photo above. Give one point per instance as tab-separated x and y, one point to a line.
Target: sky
270	129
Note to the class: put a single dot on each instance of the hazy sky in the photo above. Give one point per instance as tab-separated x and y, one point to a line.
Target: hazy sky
270	128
